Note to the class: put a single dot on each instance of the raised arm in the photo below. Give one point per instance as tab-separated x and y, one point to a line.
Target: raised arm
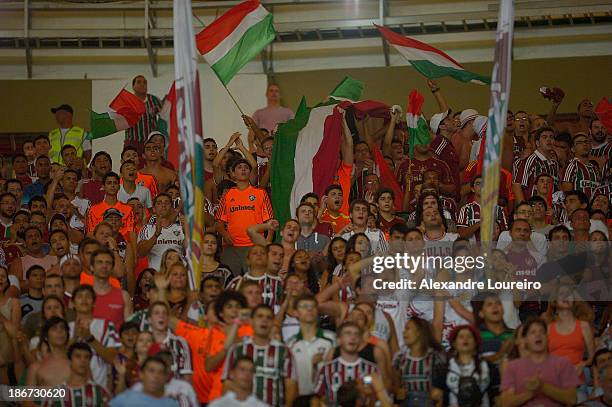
386	148
435	90
346	148
220	172
255	232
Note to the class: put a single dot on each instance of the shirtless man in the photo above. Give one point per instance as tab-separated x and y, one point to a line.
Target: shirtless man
164	176
54	368
584	111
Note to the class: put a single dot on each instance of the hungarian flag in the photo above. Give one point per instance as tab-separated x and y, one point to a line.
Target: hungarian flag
417	125
429	61
125	111
235	38
306	153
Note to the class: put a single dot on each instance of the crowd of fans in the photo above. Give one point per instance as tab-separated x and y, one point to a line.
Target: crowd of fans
96	296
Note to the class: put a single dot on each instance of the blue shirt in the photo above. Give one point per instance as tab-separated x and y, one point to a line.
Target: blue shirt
34	189
132	398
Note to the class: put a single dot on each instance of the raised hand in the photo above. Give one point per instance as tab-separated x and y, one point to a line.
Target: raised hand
161	281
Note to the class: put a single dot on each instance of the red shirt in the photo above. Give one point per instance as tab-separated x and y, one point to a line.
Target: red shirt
93	190
110	306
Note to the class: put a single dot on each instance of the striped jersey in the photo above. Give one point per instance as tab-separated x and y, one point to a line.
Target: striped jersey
181	354
304	350
584	177
88	395
222	272
416	372
274	362
604	190
602	150
470	215
105	332
271	287
335	373
528	170
147	123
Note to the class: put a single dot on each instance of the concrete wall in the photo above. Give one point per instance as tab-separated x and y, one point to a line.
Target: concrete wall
579	77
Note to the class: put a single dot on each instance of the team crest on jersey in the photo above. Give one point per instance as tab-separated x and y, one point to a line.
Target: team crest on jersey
177	232
251	198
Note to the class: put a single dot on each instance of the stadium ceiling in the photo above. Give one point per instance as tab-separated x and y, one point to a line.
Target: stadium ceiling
302	25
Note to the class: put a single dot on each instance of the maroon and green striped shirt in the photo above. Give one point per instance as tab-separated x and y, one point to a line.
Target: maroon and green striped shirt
138	134
584	177
88	395
528	170
274	362
470	215
416	373
336	372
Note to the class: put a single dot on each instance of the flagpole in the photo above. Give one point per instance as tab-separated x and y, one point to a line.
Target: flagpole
233	99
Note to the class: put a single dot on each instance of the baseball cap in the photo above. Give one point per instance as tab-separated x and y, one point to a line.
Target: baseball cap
64	107
111	212
155	133
436	119
480	125
466	116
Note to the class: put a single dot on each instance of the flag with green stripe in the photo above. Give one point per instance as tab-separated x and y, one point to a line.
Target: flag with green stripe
235	38
429	61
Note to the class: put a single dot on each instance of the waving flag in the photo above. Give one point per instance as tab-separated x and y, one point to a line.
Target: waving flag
235	38
125	111
306	151
417	125
429	61
190	137
498	108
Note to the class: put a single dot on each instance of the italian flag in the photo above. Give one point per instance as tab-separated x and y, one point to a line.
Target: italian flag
429	61
306	153
235	38
125	111
417	125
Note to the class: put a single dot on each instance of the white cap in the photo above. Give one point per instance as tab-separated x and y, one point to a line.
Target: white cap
436	119
480	125
466	116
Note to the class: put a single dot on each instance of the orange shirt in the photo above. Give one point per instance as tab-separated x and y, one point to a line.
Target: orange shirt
94	216
241	209
149	182
197	339
343	178
88	279
216	338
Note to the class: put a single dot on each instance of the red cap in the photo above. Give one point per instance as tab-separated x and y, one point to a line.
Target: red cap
453	334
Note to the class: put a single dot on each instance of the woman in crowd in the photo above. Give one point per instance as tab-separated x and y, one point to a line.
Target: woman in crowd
419	367
467	377
211	251
335	255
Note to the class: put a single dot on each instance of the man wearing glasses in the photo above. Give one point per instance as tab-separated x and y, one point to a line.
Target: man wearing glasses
581	174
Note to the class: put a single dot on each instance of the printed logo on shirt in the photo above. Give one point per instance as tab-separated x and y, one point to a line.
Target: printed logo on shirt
242	208
251	198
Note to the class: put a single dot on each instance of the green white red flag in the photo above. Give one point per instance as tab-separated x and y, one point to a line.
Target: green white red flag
418	129
235	38
429	61
124	112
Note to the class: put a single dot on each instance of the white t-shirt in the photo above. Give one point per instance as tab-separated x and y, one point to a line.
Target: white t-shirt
229	400
81	204
303	352
104	331
171	237
142	193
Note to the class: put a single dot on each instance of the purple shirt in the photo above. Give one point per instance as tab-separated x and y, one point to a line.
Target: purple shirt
553	370
269	117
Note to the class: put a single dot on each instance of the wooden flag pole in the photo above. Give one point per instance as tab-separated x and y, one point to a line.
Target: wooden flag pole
234	100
